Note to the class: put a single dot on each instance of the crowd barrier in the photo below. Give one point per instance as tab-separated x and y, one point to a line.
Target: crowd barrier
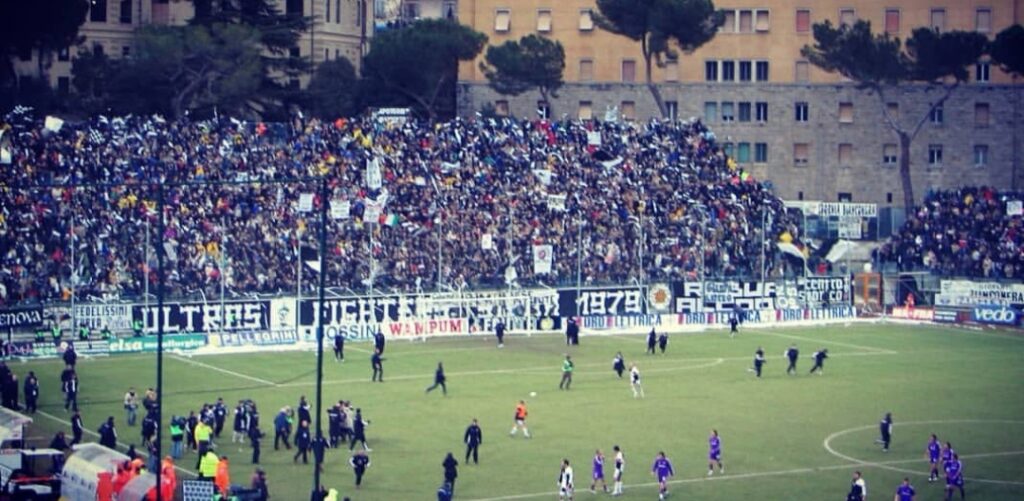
285	321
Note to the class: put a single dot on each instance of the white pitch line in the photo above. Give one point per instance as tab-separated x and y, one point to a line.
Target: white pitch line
827	444
225	371
775	473
829	341
122	444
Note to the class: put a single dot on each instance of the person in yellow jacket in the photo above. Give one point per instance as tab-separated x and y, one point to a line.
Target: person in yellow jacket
332	495
208	465
223	477
202	435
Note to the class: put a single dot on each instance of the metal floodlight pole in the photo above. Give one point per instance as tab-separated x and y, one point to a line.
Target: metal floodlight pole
145	269
71	242
764	216
159	330
223	261
320	333
579	257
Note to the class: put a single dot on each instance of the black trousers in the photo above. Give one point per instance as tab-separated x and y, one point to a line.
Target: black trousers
361	438
359	476
281	436
304	452
30	404
757	368
791	367
444	388
817	366
255	453
472	449
378	374
886	439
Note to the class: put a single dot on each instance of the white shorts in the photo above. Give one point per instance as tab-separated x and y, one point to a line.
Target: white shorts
565	492
617	475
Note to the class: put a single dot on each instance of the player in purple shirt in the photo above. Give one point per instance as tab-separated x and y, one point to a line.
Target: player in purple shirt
662	470
947	454
905	492
598	469
932	453
715	453
954	477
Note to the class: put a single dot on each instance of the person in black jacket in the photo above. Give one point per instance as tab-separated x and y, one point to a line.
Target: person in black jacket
31	392
619	364
663	342
334	425
439	380
499	332
220	415
793	355
360	462
819	361
377	363
378	341
70	356
302	442
303	410
71	392
885	432
77	428
254	438
652	340
339	347
473	437
149	425
451	471
59	442
359	431
108	435
572	333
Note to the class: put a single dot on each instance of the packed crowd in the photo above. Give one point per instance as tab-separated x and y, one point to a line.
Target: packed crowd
975	232
483	190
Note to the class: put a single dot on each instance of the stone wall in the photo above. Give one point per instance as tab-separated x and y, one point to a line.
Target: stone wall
863	176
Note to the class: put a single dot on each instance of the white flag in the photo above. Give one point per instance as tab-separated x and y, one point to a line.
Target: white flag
53	124
5	156
372	212
594	138
1014	208
543	175
340	209
487	241
373	177
542	259
556	202
306	202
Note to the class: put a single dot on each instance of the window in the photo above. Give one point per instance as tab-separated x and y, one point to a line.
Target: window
744	109
981	114
98	11
745	71
294	7
544	21
673	109
337	11
64	86
981	71
892	21
501	108
934	154
327	53
889	154
126	51
502	20
294	52
845	113
803	71
628	70
980	155
845	154
803	21
586	20
729	149
412	10
451	10
888	197
97	49
743	153
729	26
746	21
544	110
936	115
847	17
126	12
760	153
710	111
893	109
586	70
327	10
64	54
844	196
728	112
337	53
711	71
939	20
628	110
800	111
728	71
761	20
586	111
800	153
983	20
761	68
672	71
761	112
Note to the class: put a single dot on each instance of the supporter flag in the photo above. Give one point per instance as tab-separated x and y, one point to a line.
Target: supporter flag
372	212
391	219
1014	208
341	209
305	202
542	259
53	124
487	241
310	257
556	202
594	138
374	180
543	175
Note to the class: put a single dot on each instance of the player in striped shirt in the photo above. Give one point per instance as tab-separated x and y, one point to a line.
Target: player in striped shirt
662	470
954	477
598	472
634	381
715	453
932	452
905	492
620	467
565	481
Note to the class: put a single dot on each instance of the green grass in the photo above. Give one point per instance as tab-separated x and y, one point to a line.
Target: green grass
969	386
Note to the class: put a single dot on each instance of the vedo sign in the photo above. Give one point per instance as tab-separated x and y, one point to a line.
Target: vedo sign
999	315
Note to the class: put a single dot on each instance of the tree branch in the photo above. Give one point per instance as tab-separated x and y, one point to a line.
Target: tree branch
920	123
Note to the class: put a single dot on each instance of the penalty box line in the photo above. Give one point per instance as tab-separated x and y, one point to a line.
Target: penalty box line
763	474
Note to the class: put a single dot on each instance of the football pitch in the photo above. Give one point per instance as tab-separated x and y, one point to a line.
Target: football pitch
784	437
